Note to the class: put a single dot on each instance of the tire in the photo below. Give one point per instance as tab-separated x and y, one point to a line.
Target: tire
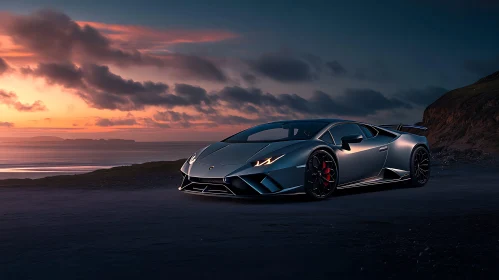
321	175
420	167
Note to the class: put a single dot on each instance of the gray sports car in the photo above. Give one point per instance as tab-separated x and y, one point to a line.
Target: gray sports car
314	157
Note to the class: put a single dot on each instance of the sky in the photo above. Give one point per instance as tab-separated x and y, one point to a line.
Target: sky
203	70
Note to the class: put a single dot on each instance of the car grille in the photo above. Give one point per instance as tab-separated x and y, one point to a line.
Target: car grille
207	180
250	185
213	186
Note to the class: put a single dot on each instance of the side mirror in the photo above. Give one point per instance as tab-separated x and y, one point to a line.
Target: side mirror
347	140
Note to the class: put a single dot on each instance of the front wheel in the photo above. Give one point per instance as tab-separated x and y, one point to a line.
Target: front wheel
321	175
420	167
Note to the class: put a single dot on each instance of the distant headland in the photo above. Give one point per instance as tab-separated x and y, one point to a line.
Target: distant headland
52	139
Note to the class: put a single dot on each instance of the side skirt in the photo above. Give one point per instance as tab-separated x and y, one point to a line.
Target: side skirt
371	183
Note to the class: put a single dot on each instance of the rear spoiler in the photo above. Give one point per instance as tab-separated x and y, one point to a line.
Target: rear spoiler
400	126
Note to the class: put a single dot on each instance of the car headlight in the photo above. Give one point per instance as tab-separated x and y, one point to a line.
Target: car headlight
193	158
267	161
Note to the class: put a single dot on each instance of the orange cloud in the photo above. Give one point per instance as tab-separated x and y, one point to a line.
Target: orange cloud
11	100
9	49
153	40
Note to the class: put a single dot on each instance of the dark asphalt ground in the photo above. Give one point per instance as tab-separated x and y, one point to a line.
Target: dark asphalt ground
447	229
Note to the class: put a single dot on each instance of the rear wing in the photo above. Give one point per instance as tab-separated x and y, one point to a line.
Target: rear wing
400	126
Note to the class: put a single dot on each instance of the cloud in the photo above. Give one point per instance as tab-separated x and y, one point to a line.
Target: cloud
11	100
239	95
54	37
336	68
173	116
319	104
194	67
153	40
102	89
148	122
362	102
6	124
482	67
178	118
249	78
3	66
101	78
423	97
115	122
65	74
283	68
193	95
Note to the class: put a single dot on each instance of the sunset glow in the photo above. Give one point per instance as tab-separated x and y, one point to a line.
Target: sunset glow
91	76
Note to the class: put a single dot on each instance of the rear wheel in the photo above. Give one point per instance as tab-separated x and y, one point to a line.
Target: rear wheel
321	175
420	167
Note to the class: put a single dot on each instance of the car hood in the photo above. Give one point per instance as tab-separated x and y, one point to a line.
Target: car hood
223	153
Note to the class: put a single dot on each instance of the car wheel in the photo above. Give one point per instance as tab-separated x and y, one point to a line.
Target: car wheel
321	175
420	167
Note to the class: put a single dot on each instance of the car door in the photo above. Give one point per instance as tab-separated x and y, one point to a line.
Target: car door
362	160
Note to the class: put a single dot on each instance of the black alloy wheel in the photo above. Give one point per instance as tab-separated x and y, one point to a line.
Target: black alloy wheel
321	175
420	167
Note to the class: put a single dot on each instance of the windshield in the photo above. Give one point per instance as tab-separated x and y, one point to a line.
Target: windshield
280	131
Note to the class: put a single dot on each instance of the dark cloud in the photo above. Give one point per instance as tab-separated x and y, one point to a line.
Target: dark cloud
362	102
195	67
249	78
6	124
65	74
54	37
336	68
423	97
11	100
482	68
314	60
353	102
322	104
116	122
193	95
102	89
3	66
148	122
294	102
232	120
239	95
249	109
101	78
284	68
173	116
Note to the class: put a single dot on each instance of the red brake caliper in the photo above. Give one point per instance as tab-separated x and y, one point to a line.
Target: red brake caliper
327	173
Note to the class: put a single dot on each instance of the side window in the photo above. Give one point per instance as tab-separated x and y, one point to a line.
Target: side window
368	131
342	130
326	137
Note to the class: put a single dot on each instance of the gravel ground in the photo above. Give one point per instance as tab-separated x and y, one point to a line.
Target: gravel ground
447	229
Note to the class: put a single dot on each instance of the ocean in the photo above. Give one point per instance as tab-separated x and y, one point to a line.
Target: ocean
37	160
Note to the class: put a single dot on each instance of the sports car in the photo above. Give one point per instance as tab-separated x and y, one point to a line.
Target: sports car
312	157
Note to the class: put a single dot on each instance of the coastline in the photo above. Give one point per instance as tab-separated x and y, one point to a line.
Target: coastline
165	174
149	175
